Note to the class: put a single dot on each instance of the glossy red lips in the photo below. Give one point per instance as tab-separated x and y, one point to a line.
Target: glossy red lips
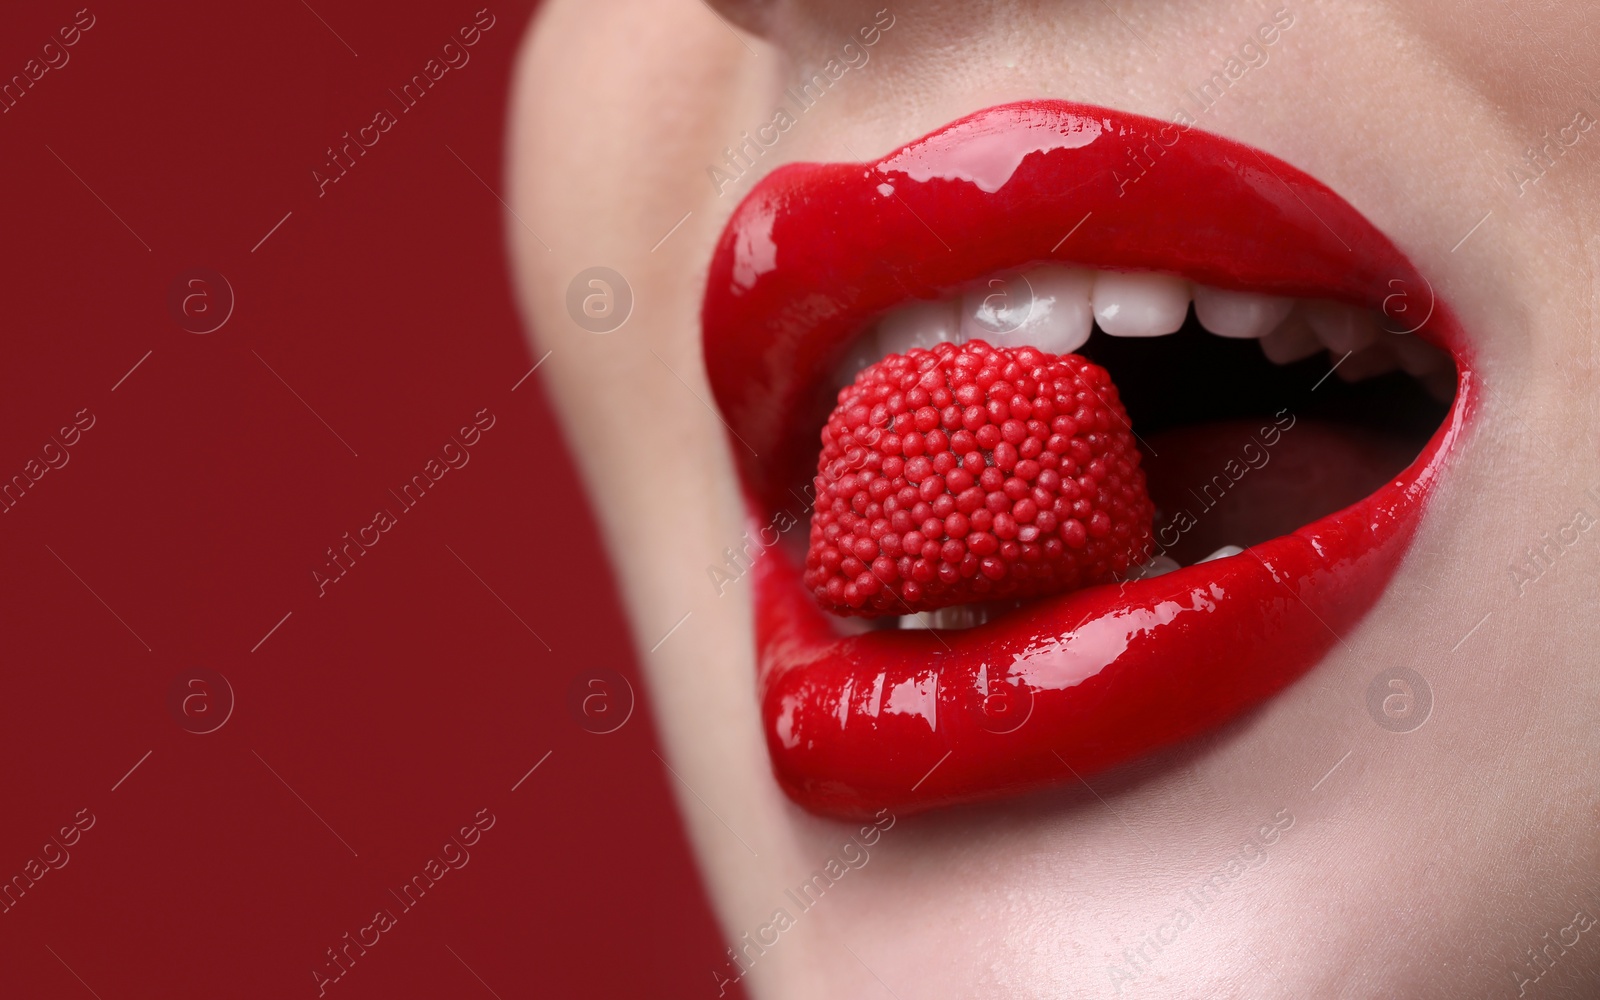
1081	681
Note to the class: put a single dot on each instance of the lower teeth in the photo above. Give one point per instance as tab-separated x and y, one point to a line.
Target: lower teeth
1159	566
962	616
959	616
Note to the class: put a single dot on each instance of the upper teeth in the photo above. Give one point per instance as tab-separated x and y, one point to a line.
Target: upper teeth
1055	308
1244	315
1140	305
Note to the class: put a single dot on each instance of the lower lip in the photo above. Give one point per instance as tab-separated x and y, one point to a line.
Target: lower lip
1071	685
1066	686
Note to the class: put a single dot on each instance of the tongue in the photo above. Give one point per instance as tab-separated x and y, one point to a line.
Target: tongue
1241	482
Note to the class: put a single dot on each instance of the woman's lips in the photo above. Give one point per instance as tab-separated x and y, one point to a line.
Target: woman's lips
1079	682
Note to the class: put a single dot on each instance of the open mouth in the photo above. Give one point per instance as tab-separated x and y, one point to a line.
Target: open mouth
1002	590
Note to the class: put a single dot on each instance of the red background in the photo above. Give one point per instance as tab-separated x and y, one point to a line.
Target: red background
380	717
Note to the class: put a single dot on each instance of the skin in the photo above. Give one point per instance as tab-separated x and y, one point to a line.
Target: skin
1427	863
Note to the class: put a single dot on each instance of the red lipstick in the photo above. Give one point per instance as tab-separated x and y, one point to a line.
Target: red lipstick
1085	680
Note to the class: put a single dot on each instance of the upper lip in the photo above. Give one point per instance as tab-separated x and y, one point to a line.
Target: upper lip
816	250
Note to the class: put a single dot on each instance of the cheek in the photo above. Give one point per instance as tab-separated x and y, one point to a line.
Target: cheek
600	184
595	183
